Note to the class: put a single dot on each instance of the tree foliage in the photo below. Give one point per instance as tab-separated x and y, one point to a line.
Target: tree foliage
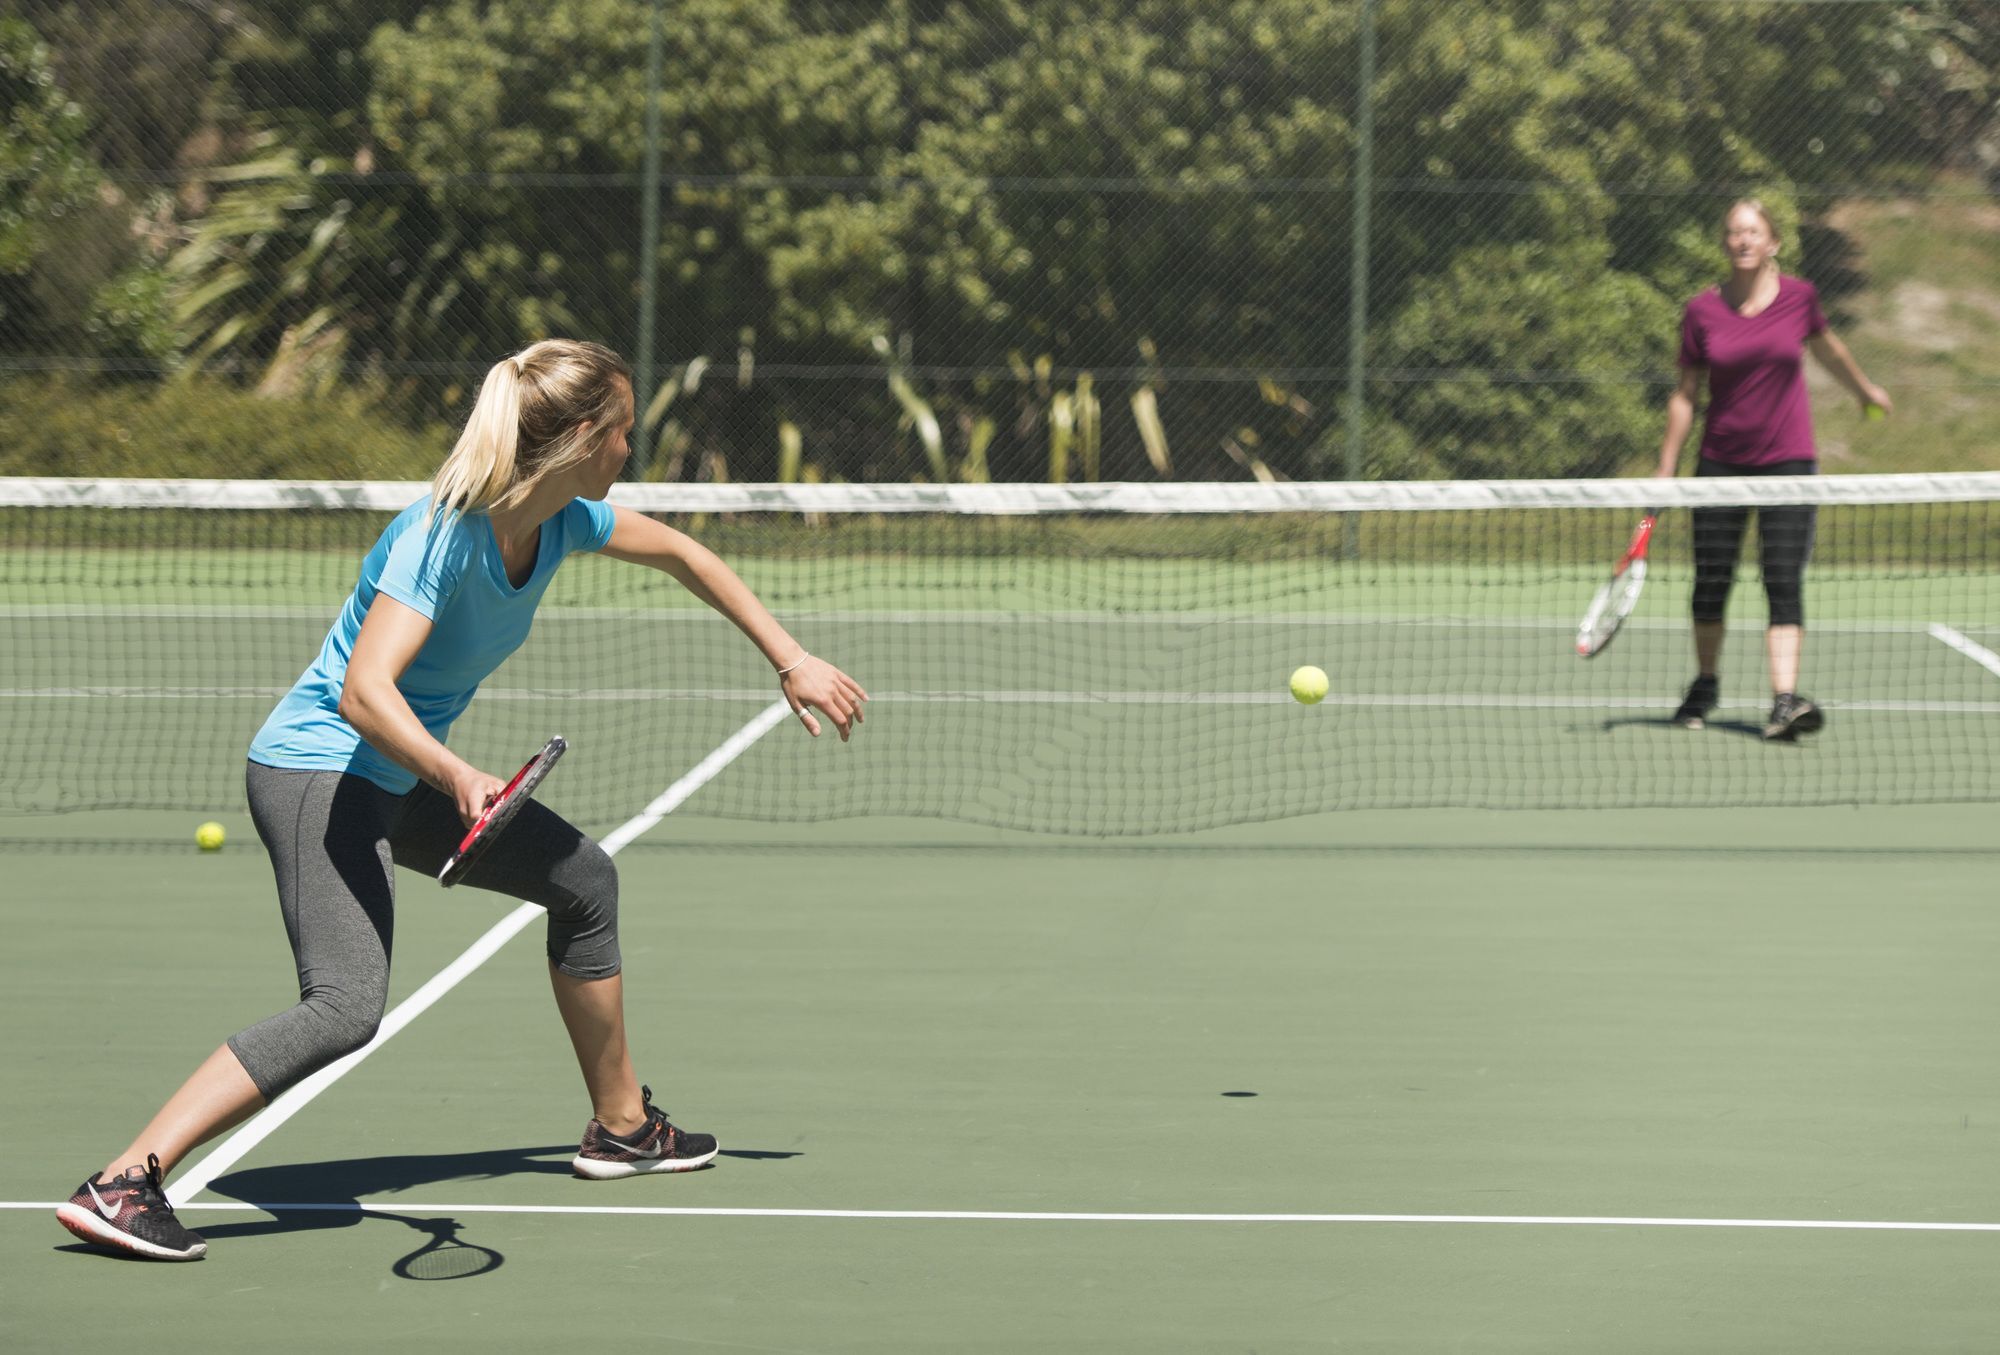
918	236
45	171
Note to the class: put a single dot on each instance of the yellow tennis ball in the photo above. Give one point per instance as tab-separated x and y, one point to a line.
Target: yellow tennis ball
209	836
1308	686
1876	413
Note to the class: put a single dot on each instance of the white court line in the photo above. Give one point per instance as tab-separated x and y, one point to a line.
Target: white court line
704	771
1033	1216
1978	653
1031	697
1009	617
232	1149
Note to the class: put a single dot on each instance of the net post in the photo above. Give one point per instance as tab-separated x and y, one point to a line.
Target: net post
649	247
1357	296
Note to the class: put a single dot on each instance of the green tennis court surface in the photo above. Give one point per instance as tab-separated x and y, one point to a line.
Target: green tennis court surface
1776	1016
1057	1011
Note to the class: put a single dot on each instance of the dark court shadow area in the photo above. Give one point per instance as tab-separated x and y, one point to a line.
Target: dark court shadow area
351	1180
1666	725
315	1186
441	1254
313	1196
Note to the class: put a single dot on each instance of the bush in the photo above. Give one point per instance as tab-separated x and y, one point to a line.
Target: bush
202	428
1522	362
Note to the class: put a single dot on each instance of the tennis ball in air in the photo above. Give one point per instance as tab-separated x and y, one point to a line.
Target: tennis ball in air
1308	686
209	836
1876	413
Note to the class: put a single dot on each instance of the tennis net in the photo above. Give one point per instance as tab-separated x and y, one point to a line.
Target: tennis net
1091	659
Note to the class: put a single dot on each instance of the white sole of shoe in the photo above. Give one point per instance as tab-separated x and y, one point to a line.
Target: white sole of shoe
91	1228
592	1169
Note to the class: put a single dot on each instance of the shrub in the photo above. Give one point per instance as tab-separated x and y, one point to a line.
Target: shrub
200	428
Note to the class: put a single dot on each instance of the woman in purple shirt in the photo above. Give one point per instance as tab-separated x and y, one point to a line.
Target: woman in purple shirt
1747	338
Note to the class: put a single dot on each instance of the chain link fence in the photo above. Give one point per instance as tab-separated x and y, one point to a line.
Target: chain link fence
909	239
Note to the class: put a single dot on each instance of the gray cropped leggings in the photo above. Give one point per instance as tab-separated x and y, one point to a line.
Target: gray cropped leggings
334	841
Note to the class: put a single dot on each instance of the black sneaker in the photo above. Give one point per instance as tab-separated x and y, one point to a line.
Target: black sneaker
1791	716
1703	696
130	1213
654	1146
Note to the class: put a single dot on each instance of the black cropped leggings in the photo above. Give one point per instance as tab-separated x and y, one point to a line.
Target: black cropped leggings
1784	540
335	840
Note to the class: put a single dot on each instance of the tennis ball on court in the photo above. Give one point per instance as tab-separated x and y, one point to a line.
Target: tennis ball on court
1308	686
209	836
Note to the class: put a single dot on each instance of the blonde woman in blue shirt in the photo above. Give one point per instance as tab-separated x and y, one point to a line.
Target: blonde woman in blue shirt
351	776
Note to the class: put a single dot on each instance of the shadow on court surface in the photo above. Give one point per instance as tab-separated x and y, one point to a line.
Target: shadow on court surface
351	1180
357	1178
1665	724
299	1195
442	1255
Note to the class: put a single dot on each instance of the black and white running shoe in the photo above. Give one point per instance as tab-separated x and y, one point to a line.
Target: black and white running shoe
130	1213
1791	716
654	1146
1704	694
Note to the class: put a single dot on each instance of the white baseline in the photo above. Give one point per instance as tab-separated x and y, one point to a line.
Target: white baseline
401	1207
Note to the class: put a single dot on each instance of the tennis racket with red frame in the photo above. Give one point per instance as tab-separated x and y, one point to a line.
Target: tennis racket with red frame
501	812
1618	595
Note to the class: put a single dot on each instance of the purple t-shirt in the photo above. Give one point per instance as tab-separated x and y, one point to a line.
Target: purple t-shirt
1757	410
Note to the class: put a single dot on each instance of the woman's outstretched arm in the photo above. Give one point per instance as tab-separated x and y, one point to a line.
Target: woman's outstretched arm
808	683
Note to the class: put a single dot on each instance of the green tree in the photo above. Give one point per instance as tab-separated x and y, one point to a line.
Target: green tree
916	237
45	171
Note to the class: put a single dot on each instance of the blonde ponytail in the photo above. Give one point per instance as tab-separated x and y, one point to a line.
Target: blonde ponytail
530	422
480	469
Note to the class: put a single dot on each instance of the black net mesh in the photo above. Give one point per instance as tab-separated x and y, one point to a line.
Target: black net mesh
1114	662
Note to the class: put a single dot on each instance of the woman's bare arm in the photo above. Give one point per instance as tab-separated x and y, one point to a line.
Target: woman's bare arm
805	680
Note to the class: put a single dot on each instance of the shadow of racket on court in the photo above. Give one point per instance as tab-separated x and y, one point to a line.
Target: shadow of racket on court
329	1195
444	1254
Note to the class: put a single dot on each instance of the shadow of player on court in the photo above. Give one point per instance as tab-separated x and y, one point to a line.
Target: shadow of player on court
310	1196
1666	724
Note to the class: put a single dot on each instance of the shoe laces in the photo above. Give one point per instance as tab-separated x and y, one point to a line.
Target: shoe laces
147	1188
156	1185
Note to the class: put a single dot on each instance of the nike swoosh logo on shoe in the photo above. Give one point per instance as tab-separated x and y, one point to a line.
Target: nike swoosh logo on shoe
657	1150
110	1212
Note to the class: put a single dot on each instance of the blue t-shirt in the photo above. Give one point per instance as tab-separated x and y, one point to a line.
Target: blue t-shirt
451	571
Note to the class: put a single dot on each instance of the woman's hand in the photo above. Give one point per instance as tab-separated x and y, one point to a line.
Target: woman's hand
817	685
1874	397
473	790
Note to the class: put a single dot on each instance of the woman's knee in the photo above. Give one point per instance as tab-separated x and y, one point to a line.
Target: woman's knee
344	1029
1711	598
1787	601
583	927
299	1041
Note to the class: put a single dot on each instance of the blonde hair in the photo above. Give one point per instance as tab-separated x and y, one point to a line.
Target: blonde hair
1756	205
528	424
